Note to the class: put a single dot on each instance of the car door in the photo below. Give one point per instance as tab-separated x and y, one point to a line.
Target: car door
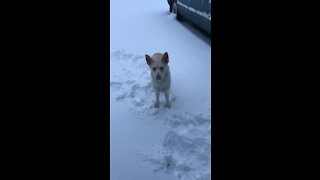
200	13
183	8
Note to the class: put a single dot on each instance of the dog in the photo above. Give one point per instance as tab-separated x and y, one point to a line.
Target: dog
160	75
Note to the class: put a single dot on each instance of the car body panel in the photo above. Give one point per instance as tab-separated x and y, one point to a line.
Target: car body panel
196	11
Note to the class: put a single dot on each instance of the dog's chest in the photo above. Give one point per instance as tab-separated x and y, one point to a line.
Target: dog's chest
163	85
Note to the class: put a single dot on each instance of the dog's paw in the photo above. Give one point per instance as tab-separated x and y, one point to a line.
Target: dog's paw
156	104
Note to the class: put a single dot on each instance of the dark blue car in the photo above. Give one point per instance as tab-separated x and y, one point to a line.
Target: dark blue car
196	11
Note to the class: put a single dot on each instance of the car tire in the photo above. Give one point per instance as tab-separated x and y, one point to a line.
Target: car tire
174	7
179	16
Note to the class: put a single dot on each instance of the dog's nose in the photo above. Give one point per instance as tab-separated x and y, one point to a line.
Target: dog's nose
158	77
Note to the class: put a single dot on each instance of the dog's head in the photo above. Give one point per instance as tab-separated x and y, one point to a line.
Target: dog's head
158	65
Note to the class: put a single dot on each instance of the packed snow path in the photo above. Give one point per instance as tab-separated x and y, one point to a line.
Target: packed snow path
146	142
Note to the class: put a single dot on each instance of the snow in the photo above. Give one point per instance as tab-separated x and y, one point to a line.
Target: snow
145	142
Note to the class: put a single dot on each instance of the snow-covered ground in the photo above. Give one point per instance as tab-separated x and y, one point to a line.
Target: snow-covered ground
148	143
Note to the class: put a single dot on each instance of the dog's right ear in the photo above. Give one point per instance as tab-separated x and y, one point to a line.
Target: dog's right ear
149	60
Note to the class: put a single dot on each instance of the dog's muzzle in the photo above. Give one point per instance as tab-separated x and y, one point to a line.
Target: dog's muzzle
158	77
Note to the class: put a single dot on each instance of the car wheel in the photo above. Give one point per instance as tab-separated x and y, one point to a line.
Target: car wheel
174	7
179	16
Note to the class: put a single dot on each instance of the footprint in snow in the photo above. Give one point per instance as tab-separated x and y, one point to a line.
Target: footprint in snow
188	144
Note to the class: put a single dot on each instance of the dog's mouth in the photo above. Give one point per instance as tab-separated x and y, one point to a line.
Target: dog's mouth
158	77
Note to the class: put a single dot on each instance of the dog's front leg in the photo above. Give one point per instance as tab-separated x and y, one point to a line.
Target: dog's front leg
167	99
157	103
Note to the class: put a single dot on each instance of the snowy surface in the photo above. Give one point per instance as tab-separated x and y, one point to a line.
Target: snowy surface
148	143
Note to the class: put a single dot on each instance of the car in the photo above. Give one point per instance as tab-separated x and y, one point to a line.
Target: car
197	12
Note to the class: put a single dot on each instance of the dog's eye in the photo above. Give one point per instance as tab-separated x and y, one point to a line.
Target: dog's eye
154	69
161	68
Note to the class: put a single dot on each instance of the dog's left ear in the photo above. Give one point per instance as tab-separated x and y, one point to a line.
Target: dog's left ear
165	58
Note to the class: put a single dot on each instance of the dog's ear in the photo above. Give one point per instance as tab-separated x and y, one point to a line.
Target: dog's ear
165	58
148	59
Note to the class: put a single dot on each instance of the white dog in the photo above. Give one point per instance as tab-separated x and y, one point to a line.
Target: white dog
160	74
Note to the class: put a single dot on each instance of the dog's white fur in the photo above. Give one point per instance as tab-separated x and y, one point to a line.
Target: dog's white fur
160	74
